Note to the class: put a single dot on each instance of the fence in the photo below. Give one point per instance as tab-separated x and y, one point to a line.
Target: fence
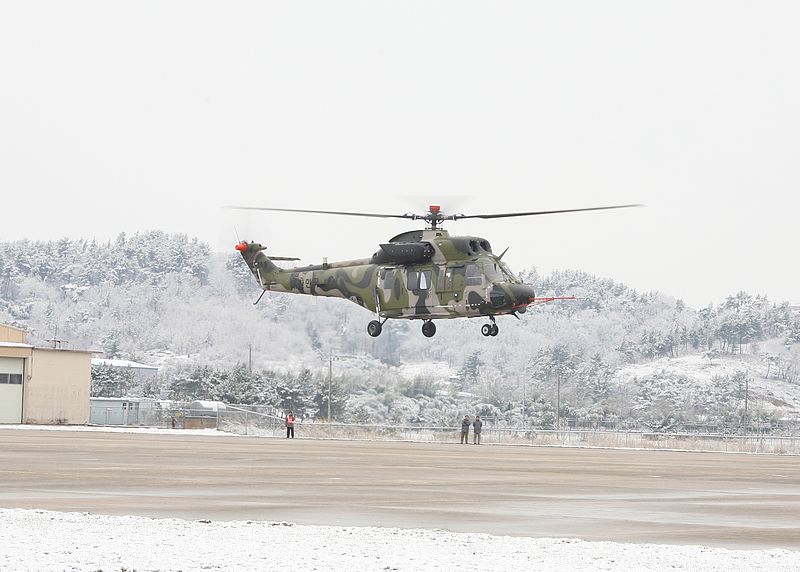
244	422
256	421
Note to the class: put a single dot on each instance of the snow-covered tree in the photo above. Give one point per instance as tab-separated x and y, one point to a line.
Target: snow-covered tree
108	381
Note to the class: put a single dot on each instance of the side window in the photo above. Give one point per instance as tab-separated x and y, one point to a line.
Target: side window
388	279
413	280
451	278
446	279
473	275
419	280
425	280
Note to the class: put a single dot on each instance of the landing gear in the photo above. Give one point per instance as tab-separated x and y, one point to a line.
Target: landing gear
428	329
374	328
490	329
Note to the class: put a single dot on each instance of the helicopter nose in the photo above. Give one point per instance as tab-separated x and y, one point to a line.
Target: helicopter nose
522	295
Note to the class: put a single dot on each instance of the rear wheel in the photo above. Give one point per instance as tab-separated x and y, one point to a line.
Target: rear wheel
428	329
374	328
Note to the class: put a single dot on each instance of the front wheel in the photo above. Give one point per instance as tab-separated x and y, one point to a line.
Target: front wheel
495	330
486	329
374	328
428	329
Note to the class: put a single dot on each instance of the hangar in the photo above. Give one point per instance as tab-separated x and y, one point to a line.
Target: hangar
42	385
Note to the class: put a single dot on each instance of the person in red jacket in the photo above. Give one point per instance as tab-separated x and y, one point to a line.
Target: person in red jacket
290	425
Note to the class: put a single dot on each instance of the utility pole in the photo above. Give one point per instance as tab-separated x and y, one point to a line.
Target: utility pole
250	359
330	378
55	340
558	402
331	358
746	388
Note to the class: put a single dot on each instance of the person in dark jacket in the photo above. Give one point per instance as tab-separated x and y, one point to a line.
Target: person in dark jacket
465	430
290	425
476	430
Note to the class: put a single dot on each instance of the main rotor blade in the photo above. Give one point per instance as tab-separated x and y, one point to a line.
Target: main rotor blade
535	213
373	215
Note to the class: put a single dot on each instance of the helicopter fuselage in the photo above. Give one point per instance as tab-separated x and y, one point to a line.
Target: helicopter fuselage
422	275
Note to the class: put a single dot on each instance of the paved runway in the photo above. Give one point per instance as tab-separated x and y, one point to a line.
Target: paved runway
594	494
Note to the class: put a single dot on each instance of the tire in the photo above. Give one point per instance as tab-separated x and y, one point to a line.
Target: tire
428	329
486	329
495	330
374	328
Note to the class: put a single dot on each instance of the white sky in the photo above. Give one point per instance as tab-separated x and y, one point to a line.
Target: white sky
150	115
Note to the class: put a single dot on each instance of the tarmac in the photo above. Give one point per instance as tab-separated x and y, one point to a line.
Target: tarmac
641	496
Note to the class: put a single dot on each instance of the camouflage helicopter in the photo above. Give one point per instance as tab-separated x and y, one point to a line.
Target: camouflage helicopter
418	275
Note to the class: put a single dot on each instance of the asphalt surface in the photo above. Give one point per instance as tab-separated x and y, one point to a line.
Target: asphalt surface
732	500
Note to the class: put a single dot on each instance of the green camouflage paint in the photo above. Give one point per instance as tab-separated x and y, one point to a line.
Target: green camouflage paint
454	277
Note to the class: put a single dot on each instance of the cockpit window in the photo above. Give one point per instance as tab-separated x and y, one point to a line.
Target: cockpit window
513	277
473	275
492	272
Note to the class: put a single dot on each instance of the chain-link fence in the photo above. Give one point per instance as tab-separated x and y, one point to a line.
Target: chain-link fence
246	422
262	422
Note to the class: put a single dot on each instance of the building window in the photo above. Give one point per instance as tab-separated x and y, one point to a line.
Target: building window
11	378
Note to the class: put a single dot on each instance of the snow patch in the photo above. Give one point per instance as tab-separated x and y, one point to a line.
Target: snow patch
52	541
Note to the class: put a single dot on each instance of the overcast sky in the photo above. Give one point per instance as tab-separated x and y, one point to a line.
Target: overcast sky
151	115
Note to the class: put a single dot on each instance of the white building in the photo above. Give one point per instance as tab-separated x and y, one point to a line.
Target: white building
126	411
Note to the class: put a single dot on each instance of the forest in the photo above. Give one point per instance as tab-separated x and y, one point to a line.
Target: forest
613	356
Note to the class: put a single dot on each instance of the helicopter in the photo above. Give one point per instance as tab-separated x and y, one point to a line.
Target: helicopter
422	275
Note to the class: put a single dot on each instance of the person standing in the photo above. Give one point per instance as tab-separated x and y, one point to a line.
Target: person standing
290	425
465	430
476	430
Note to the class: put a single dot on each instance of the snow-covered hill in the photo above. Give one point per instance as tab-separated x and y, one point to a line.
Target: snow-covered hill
614	353
696	374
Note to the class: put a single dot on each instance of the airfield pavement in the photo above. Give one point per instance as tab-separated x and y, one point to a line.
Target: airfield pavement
711	499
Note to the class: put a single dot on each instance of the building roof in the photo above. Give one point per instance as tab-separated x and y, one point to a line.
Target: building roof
208	405
121	363
137	399
65	350
15	345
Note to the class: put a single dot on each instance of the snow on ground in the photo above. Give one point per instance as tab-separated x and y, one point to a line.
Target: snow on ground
52	541
126	429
